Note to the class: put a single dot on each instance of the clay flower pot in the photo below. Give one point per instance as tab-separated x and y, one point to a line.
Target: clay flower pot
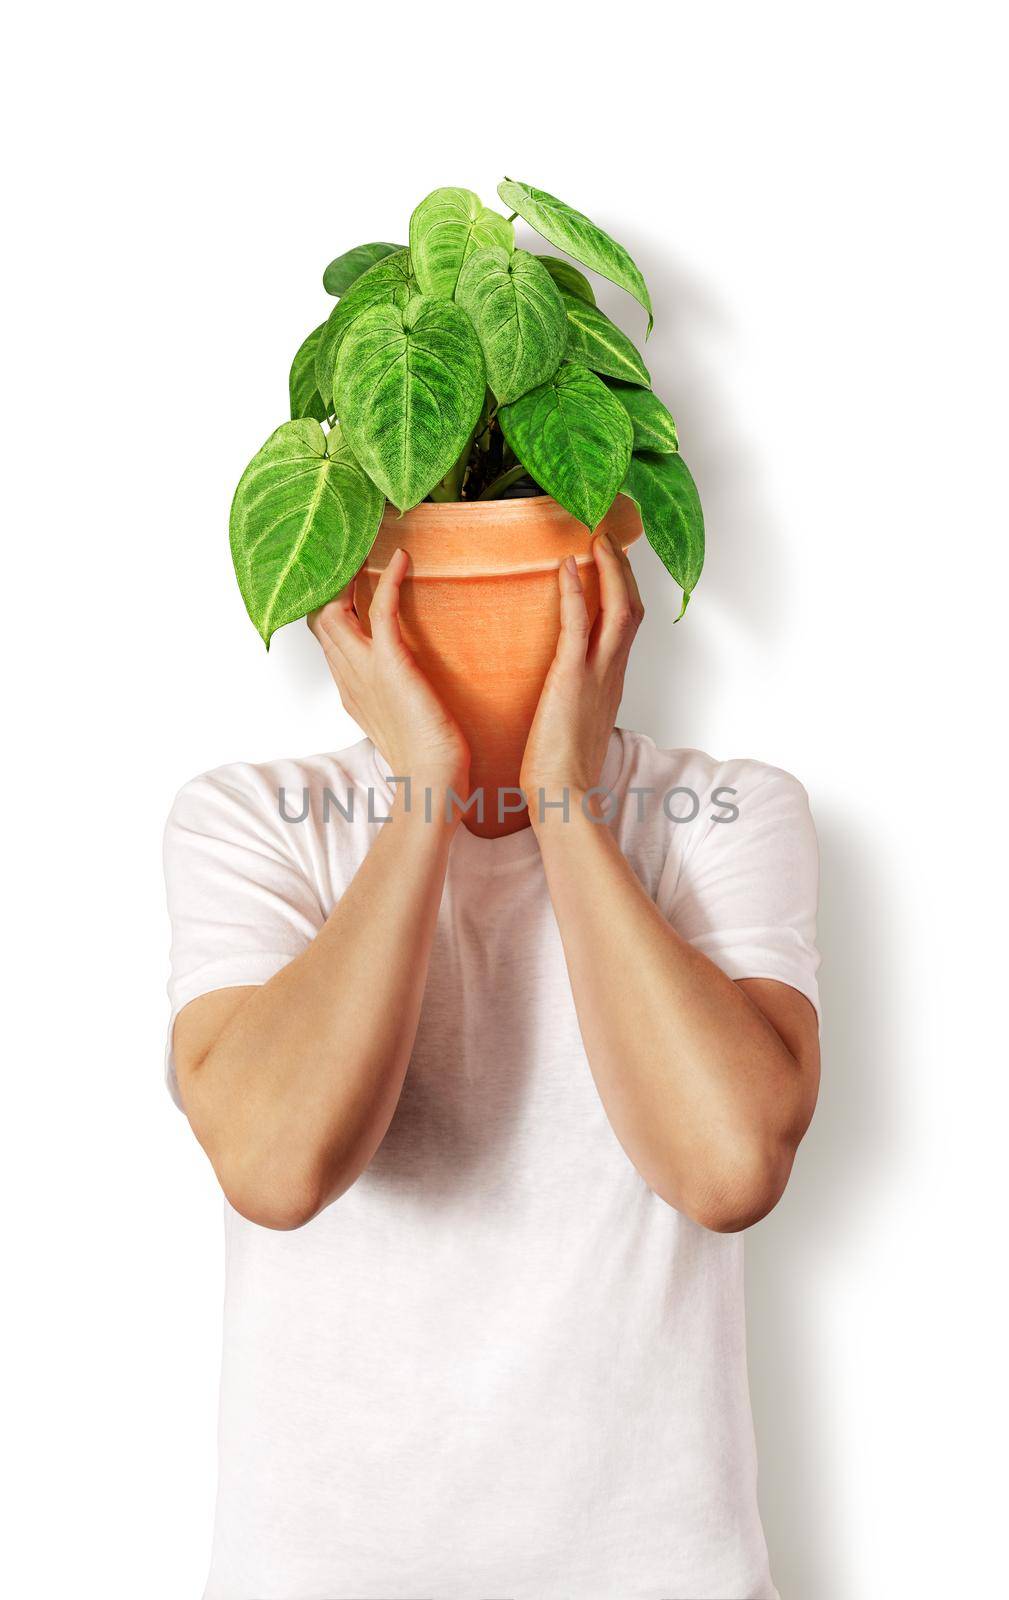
480	607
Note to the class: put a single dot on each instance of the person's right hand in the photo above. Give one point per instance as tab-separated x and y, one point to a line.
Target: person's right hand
384	690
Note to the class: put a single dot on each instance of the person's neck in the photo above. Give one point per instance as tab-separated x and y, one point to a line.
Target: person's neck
495	764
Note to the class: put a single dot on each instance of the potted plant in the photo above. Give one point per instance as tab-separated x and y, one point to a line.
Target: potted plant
468	400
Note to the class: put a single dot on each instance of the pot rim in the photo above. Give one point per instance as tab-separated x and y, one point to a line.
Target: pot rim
442	542
440	506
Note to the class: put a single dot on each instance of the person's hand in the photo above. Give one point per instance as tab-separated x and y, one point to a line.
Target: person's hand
578	706
385	691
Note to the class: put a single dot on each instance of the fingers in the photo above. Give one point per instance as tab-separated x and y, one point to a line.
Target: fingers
337	622
383	613
637	604
574	631
344	645
615	625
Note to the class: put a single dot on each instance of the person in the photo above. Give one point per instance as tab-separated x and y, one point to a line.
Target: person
490	1114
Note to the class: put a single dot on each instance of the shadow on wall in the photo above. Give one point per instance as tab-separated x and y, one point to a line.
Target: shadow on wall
746	577
803	1480
804	1483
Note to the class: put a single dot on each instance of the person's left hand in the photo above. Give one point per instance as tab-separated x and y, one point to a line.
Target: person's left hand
567	742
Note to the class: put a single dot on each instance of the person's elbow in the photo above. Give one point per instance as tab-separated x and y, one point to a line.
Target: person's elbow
280	1200
279	1183
737	1186
274	1178
282	1211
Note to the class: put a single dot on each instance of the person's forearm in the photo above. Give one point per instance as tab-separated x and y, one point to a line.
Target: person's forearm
295	1095
701	1092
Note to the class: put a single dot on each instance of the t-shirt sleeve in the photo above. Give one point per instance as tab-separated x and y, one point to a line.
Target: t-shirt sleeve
241	905
744	891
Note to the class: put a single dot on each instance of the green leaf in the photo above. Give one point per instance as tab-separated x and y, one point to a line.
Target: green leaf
666	496
569	279
570	231
303	519
518	314
306	401
409	388
445	229
596	342
388	280
574	437
346	269
654	428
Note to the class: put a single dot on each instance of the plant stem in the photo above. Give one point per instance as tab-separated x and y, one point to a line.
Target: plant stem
505	481
487	425
450	487
483	421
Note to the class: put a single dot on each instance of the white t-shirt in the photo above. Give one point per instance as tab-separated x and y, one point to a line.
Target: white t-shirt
499	1365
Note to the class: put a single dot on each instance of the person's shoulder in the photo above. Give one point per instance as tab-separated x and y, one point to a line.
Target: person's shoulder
719	839
256	792
687	771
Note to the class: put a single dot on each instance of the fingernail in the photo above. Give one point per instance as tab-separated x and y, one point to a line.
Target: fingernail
572	565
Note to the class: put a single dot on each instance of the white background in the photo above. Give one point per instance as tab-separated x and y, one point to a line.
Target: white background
815	196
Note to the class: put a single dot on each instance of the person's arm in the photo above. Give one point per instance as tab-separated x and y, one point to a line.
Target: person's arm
290	1087
709	1084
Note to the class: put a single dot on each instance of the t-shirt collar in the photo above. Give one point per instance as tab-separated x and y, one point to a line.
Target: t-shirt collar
513	848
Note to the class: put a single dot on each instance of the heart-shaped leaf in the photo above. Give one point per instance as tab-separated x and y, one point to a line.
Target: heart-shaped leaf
671	515
346	269
409	387
570	231
574	437
518	314
306	401
569	279
388	280
596	342
445	229
303	519
654	428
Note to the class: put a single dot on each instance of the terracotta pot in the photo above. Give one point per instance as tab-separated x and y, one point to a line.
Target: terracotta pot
480	607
